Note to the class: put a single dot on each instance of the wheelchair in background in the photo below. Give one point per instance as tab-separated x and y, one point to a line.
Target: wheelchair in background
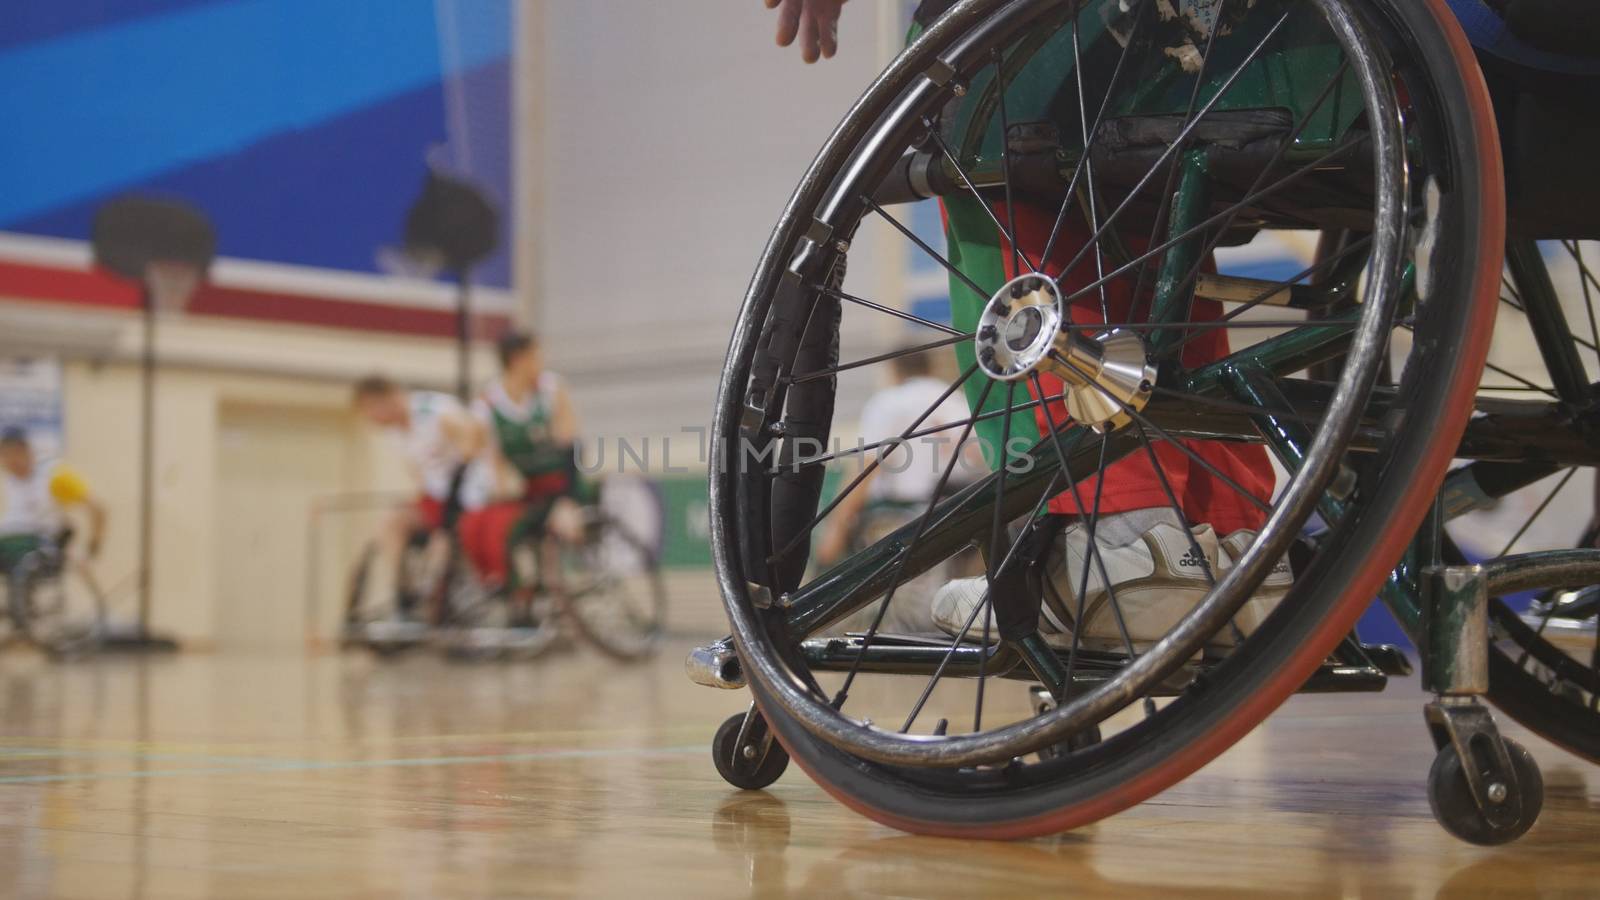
52	599
608	587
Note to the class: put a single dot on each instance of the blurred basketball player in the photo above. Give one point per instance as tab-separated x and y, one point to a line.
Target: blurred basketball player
39	495
439	439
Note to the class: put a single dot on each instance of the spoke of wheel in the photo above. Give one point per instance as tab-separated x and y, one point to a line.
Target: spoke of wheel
1099	558
1005	174
1183	522
872	466
1575	339
882	357
1267	294
1094	546
1144	422
1538	512
983	603
1277	158
923	246
1009	234
1584	279
1165	198
1088	166
886	310
1506	372
1510	286
1201	227
1179	141
1099	118
911	548
934	429
994	540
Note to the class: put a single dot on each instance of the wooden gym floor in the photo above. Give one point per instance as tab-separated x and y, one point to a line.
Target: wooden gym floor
214	776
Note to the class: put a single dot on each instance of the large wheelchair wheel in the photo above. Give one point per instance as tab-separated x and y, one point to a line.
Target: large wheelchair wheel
612	577
389	628
1362	120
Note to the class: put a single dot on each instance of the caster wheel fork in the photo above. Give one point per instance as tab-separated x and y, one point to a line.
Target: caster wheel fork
1482	787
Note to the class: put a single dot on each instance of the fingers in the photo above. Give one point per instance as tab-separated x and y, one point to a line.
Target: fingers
828	28
788	20
815	23
810	40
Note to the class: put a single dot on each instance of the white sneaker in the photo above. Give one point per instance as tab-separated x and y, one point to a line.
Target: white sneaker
953	605
1157	580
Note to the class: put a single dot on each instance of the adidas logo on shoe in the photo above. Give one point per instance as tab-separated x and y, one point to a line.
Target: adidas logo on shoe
1192	559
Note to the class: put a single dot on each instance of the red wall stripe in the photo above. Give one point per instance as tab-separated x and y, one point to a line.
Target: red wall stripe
98	288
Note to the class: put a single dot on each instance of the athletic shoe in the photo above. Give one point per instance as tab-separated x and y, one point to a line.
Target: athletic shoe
1157	580
1268	595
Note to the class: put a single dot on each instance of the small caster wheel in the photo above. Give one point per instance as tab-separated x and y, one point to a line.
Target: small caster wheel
737	769
1453	806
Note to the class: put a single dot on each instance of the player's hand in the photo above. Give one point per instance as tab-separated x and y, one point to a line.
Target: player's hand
814	22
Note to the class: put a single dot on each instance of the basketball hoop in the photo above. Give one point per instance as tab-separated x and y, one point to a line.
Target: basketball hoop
171	283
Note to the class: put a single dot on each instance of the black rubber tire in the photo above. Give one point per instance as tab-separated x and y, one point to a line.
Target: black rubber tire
1142	760
1456	811
762	776
1560	719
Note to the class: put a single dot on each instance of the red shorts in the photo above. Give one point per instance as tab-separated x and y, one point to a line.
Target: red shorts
429	512
1132	483
485	533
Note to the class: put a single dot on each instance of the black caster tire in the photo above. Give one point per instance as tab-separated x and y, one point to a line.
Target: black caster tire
1454	808
745	779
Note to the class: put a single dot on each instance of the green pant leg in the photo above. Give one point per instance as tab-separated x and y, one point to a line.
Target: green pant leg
974	249
13	547
529	529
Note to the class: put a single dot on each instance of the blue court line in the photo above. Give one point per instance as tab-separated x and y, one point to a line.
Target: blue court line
304	765
10	754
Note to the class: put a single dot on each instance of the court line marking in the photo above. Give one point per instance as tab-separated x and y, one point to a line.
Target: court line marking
343	764
218	748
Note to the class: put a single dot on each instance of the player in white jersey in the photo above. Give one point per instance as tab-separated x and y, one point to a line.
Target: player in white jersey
440	440
37	496
906	476
899	487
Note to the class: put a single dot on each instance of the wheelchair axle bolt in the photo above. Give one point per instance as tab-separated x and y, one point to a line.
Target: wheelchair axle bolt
1496	793
748	751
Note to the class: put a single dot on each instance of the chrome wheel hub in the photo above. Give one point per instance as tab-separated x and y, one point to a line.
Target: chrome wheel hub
1107	377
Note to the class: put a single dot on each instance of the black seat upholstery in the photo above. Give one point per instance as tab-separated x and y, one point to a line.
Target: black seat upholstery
1567	27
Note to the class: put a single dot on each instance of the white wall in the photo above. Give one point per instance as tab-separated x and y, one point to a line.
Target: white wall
670	136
